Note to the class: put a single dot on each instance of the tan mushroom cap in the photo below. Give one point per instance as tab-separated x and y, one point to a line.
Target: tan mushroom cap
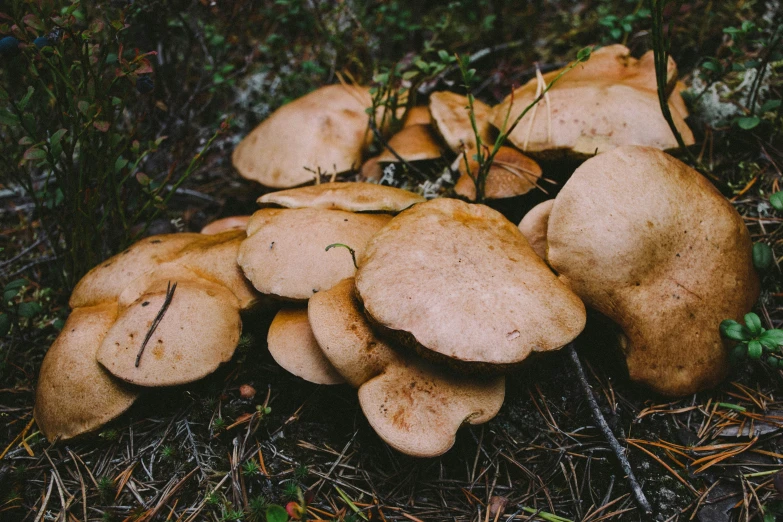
461	281
418	115
198	332
217	263
224	224
285	251
451	118
609	101
105	282
325	130
413	405
412	143
511	174
293	347
534	226
650	243
350	196
75	395
371	170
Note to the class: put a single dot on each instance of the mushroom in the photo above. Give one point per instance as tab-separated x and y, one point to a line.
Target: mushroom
594	107
285	251
326	130
534	225
293	347
511	174
412	143
413	405
650	243
371	170
350	196
460	282
75	395
226	223
450	113
105	282
417	115
168	337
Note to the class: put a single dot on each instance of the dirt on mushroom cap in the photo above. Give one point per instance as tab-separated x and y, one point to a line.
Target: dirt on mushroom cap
76	395
649	242
465	284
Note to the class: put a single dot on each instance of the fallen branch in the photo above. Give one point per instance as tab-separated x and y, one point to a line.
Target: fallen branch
636	489
158	318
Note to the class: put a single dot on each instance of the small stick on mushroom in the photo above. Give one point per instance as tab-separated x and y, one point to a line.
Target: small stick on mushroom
638	494
169	296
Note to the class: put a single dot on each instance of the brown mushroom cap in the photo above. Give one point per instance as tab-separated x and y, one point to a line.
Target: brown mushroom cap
325	130
418	115
224	224
451	117
75	395
412	143
199	331
371	170
650	243
350	196
413	405
293	347
534	225
609	101
285	251
511	174
105	282
461	281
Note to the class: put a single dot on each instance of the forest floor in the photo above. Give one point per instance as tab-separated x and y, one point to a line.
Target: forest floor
202	452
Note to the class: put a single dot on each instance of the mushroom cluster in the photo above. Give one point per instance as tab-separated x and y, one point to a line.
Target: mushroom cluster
161	313
426	306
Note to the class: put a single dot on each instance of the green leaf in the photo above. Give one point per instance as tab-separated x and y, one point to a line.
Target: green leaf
770	105
29	309
24	101
748	122
755	350
120	164
776	200
34	153
753	323
58	324
772	339
443	55
584	54
734	331
5	325
16	283
275	513
8	118
762	256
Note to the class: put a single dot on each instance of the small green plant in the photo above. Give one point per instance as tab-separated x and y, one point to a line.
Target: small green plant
250	468
483	154
109	435
291	490
763	256
105	488
256	508
275	513
301	472
168	452
232	515
753	341
219	424
620	27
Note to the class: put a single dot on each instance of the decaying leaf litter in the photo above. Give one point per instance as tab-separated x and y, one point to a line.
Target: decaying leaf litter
537	435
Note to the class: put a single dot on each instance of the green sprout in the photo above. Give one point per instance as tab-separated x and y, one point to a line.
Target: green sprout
250	468
351	250
754	341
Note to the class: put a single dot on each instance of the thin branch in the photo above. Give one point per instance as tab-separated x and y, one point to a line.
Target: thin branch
636	489
158	318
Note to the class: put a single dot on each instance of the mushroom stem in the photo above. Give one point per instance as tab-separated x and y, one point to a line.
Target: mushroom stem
636	489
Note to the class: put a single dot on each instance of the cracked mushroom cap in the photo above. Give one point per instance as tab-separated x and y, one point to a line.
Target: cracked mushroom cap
461	282
534	225
224	224
511	174
198	331
412	143
326	130
650	243
349	196
452	120
413	405
105	282
76	395
608	101
285	251
292	345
